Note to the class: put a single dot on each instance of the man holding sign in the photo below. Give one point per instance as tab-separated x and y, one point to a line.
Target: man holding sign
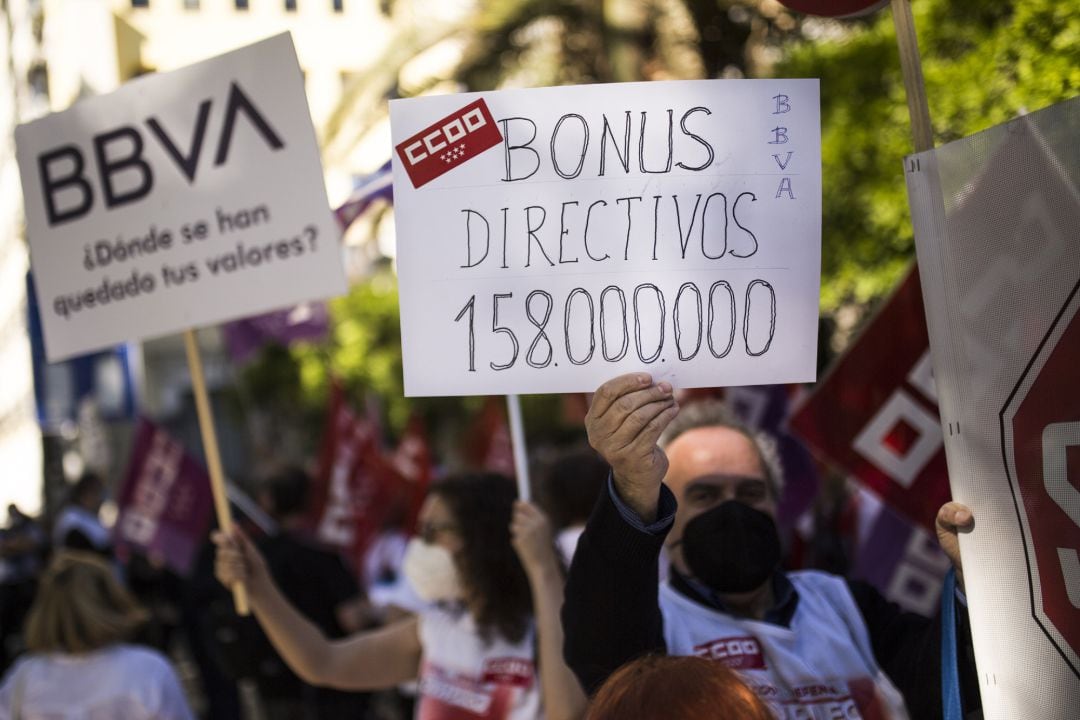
809	643
549	239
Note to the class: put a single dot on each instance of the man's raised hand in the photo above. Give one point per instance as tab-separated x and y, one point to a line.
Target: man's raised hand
626	418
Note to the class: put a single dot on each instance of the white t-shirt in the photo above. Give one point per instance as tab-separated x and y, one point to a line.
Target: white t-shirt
464	678
567	541
820	667
120	681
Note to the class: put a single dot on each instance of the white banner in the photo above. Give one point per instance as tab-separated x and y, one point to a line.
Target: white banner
181	199
996	218
550	239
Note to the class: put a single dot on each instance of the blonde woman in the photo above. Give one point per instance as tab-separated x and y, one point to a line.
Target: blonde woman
79	665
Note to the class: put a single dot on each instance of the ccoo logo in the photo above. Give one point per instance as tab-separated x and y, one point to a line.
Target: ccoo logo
448	143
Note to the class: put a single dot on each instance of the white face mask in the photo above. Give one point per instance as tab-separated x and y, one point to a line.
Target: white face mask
431	571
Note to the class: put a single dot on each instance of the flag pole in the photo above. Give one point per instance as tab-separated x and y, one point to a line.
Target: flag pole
911	66
517	441
213	456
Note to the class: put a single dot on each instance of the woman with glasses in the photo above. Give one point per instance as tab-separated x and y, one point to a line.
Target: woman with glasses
488	644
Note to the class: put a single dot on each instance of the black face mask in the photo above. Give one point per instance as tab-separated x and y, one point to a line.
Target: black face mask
732	548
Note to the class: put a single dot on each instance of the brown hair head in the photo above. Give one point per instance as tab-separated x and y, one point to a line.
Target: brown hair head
80	607
676	688
483	505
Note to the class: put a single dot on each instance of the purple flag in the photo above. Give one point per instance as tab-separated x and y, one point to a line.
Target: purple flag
165	502
900	559
768	407
378	185
307	321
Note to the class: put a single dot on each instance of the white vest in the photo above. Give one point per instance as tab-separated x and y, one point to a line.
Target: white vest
820	667
464	678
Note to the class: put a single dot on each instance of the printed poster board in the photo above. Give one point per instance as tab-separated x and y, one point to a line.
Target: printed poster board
181	199
996	217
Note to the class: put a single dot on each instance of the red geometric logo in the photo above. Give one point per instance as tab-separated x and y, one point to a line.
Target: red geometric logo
1040	441
448	143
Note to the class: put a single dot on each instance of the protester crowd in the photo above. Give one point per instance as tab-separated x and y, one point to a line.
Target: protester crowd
487	607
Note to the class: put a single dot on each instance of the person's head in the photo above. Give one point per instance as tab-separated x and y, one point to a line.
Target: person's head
88	492
284	495
80	607
715	459
463	552
571	487
676	688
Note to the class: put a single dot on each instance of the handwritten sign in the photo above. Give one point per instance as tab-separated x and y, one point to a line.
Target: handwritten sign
181	199
550	239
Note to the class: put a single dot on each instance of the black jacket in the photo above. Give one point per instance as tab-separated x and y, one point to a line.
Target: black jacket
611	615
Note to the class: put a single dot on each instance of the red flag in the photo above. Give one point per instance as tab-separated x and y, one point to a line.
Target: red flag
354	484
412	461
345	440
575	406
875	414
489	446
375	487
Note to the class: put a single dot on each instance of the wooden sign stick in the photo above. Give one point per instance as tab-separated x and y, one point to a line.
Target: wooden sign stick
911	66
213	456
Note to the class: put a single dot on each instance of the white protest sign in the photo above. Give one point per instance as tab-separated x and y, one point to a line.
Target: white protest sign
550	239
181	199
996	218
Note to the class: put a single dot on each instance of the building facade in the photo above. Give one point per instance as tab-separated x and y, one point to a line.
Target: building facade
22	97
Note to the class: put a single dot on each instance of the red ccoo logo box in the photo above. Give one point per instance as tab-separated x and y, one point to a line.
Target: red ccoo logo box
448	143
738	653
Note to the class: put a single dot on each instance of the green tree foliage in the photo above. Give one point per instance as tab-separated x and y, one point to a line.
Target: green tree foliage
555	42
362	352
985	61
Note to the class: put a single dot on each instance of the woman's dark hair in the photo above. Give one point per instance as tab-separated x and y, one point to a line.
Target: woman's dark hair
89	482
482	505
676	688
572	486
